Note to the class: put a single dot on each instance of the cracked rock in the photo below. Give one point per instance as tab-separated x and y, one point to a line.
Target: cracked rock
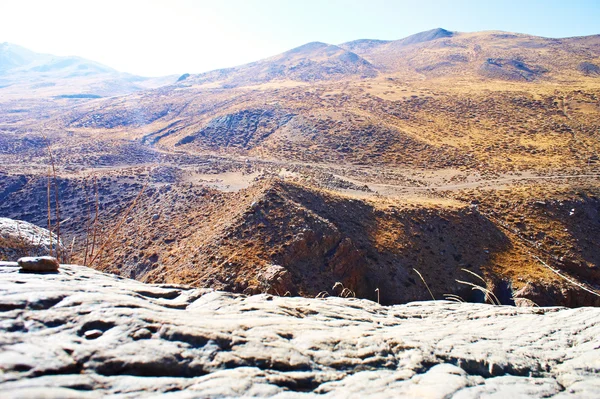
82	333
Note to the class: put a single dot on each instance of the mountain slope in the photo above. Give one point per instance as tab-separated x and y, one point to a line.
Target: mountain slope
24	73
502	126
277	236
13	56
308	63
483	55
506	124
363	46
435	53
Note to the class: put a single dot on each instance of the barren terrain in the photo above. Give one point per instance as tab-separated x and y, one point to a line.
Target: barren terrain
389	167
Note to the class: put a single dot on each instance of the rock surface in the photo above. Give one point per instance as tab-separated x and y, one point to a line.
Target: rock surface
80	333
19	238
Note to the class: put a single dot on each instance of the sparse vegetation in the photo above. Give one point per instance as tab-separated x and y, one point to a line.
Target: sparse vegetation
366	178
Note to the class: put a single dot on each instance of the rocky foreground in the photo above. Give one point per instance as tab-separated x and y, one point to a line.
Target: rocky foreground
81	333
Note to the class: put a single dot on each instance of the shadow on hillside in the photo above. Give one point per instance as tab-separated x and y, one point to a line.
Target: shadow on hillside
366	248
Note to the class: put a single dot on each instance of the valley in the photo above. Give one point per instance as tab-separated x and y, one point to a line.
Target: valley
396	168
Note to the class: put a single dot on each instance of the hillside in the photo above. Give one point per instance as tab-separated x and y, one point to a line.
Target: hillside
303	235
437	53
516	103
357	163
308	63
442	124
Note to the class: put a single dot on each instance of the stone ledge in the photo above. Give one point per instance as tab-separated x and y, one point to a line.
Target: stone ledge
82	333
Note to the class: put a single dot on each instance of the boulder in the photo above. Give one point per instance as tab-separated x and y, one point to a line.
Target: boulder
277	280
19	239
39	264
82	333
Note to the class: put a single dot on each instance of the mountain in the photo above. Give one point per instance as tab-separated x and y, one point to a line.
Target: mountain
431	54
435	99
483	55
13	56
303	163
24	73
308	63
19	60
364	45
496	100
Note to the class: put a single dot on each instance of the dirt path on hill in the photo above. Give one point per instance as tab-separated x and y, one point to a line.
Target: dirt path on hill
495	183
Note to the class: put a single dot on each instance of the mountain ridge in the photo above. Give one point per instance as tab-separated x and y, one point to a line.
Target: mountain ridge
320	61
26	73
430	54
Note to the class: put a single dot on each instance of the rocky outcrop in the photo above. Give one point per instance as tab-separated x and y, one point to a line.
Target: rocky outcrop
39	264
244	129
19	238
588	68
510	69
80	333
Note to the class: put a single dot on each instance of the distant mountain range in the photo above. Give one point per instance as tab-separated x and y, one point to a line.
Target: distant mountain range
24	73
430	54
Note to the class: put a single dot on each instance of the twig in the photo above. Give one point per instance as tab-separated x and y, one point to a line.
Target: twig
422	279
453	297
110	237
474	274
345	292
88	224
71	251
487	297
482	289
56	200
49	214
566	278
95	230
20	245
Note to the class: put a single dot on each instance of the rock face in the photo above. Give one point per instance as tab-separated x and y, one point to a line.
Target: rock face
19	238
80	333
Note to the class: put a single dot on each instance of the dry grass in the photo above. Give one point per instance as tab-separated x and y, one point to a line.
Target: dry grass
570	280
52	178
424	282
109	241
345	292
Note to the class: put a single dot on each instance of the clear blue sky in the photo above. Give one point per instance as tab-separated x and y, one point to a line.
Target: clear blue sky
152	37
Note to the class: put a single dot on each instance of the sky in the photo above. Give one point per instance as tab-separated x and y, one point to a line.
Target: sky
160	37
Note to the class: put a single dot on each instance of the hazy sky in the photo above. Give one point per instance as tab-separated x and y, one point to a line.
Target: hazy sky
153	37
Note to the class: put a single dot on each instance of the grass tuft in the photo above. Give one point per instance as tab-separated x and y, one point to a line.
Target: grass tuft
424	282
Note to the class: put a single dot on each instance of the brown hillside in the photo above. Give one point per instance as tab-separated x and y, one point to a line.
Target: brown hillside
355	163
308	63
